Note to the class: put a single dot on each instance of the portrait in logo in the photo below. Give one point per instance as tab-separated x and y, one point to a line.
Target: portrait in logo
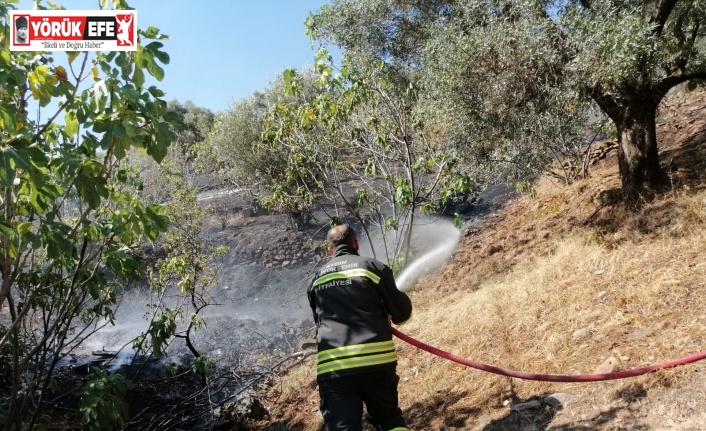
21	30
125	32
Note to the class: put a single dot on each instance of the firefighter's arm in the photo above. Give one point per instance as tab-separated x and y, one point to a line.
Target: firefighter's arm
397	303
312	303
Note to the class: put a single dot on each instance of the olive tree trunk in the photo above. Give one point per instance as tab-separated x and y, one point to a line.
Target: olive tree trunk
638	158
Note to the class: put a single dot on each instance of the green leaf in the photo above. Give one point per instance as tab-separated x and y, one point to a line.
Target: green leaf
138	77
72	55
20	157
390	223
24	227
91	168
5	59
71	127
19	76
403	192
10	159
156	92
322	56
7	118
154	69
107	139
154	49
121	143
92	189
428	209
164	135
155	222
7	174
6	228
131	93
124	263
55	236
162	57
121	60
152	33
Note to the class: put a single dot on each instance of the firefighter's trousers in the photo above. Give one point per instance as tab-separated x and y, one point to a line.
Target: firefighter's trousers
342	400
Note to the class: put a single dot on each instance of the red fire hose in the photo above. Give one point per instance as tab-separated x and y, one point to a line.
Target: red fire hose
547	377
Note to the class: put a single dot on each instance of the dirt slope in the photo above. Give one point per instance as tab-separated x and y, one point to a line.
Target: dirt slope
556	283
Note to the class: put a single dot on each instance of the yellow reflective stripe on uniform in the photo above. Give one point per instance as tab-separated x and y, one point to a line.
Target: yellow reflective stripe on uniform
356	349
399	429
356	362
349	273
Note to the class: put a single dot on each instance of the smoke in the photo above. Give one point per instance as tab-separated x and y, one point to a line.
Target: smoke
256	309
253	309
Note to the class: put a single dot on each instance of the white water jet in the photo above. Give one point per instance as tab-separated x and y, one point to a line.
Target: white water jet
440	238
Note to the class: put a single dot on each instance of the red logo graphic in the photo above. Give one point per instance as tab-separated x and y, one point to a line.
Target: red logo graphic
125	32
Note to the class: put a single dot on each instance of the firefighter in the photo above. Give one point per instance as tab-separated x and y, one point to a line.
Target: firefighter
353	299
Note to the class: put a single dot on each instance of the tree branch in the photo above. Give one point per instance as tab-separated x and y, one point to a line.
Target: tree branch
687	45
606	103
63	106
663	87
662	12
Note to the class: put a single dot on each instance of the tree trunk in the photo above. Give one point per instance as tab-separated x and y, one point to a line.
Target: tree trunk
638	158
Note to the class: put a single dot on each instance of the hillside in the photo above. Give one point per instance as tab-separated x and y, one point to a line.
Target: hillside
553	283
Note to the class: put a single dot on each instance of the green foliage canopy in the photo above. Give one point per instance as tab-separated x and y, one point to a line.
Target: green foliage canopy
234	151
71	222
361	126
512	79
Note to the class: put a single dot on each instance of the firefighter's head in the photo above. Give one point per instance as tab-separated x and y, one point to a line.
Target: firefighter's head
341	234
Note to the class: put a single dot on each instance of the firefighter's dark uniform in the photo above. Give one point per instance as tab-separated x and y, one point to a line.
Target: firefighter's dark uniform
351	297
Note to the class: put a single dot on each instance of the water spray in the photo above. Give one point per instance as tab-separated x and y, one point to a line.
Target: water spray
441	238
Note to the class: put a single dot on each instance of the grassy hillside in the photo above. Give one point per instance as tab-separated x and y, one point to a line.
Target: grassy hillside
553	283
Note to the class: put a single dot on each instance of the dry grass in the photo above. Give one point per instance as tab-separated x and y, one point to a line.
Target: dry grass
567	313
550	285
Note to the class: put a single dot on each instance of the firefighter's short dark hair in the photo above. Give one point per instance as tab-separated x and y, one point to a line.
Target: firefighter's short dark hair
341	234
